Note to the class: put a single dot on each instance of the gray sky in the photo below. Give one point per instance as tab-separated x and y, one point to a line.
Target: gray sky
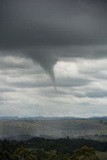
46	43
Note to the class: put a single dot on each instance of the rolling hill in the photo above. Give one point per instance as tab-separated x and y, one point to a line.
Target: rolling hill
54	128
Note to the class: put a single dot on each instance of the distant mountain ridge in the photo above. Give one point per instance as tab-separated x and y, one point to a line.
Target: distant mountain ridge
49	118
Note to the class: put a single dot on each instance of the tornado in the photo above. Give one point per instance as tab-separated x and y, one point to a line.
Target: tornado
46	61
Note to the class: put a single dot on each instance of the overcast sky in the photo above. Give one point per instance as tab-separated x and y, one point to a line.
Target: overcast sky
53	58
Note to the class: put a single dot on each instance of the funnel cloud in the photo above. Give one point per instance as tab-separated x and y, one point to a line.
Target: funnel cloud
47	62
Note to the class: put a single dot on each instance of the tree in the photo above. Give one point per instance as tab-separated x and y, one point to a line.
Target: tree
4	155
85	153
41	154
53	156
24	154
67	157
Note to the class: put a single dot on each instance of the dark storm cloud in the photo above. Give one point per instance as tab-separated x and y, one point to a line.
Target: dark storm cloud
6	99
2	90
72	82
12	65
97	94
31	23
65	82
39	25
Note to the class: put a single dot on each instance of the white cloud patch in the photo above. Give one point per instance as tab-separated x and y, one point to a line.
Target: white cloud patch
26	90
